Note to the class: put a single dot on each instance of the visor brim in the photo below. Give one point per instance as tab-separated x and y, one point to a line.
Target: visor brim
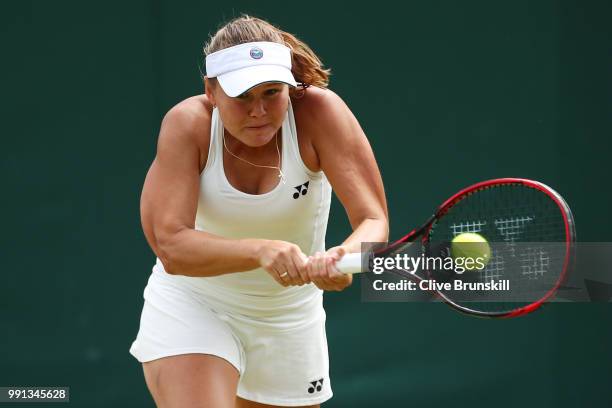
240	81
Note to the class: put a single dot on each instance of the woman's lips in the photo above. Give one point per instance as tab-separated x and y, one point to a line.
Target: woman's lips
257	127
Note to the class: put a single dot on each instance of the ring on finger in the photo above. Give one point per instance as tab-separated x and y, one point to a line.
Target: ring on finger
282	275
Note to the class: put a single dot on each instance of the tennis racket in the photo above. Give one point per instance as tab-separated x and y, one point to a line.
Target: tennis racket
530	229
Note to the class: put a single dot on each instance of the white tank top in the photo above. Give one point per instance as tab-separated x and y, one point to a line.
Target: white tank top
296	211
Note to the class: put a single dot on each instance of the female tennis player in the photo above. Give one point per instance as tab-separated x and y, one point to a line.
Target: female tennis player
235	206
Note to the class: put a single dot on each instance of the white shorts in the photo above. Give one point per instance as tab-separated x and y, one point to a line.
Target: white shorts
277	366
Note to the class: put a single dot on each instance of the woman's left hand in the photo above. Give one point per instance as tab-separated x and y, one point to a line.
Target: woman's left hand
322	271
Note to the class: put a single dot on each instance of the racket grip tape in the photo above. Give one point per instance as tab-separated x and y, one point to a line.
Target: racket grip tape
350	263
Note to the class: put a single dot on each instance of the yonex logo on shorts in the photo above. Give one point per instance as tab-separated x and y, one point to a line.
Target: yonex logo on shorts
256	53
316	385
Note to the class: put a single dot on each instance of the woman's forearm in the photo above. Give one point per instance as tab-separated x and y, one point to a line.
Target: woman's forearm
198	253
370	230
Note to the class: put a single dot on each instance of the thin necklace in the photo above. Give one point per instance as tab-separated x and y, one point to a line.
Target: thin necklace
280	172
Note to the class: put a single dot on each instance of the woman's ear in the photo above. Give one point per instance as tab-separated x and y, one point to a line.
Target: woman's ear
208	89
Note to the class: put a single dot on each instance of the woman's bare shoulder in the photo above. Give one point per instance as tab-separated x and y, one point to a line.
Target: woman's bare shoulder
190	120
315	114
316	101
191	113
320	113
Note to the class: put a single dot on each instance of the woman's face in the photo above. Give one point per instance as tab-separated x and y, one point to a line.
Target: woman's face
254	116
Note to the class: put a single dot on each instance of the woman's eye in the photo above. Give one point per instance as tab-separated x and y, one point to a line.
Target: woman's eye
272	91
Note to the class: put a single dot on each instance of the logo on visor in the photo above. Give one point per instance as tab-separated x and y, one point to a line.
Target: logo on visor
256	53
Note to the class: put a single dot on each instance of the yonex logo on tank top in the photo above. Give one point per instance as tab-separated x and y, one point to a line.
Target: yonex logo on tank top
301	189
256	53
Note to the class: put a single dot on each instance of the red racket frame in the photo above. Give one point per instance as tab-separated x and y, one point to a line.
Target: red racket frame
570	235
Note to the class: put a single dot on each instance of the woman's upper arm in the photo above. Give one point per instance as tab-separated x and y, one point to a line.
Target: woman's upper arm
346	157
170	193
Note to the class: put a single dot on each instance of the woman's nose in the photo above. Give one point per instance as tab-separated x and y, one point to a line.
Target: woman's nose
258	108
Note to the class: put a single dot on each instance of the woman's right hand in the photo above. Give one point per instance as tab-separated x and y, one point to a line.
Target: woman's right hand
284	261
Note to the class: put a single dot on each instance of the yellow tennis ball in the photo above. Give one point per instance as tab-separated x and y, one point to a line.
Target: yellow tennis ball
470	245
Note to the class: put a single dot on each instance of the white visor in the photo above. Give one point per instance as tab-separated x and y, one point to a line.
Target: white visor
244	66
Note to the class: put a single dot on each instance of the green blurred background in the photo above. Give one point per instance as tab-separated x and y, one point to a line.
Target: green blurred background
448	92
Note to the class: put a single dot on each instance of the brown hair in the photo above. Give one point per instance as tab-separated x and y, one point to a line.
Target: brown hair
306	67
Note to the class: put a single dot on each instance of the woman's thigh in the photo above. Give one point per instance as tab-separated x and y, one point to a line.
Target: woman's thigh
192	380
